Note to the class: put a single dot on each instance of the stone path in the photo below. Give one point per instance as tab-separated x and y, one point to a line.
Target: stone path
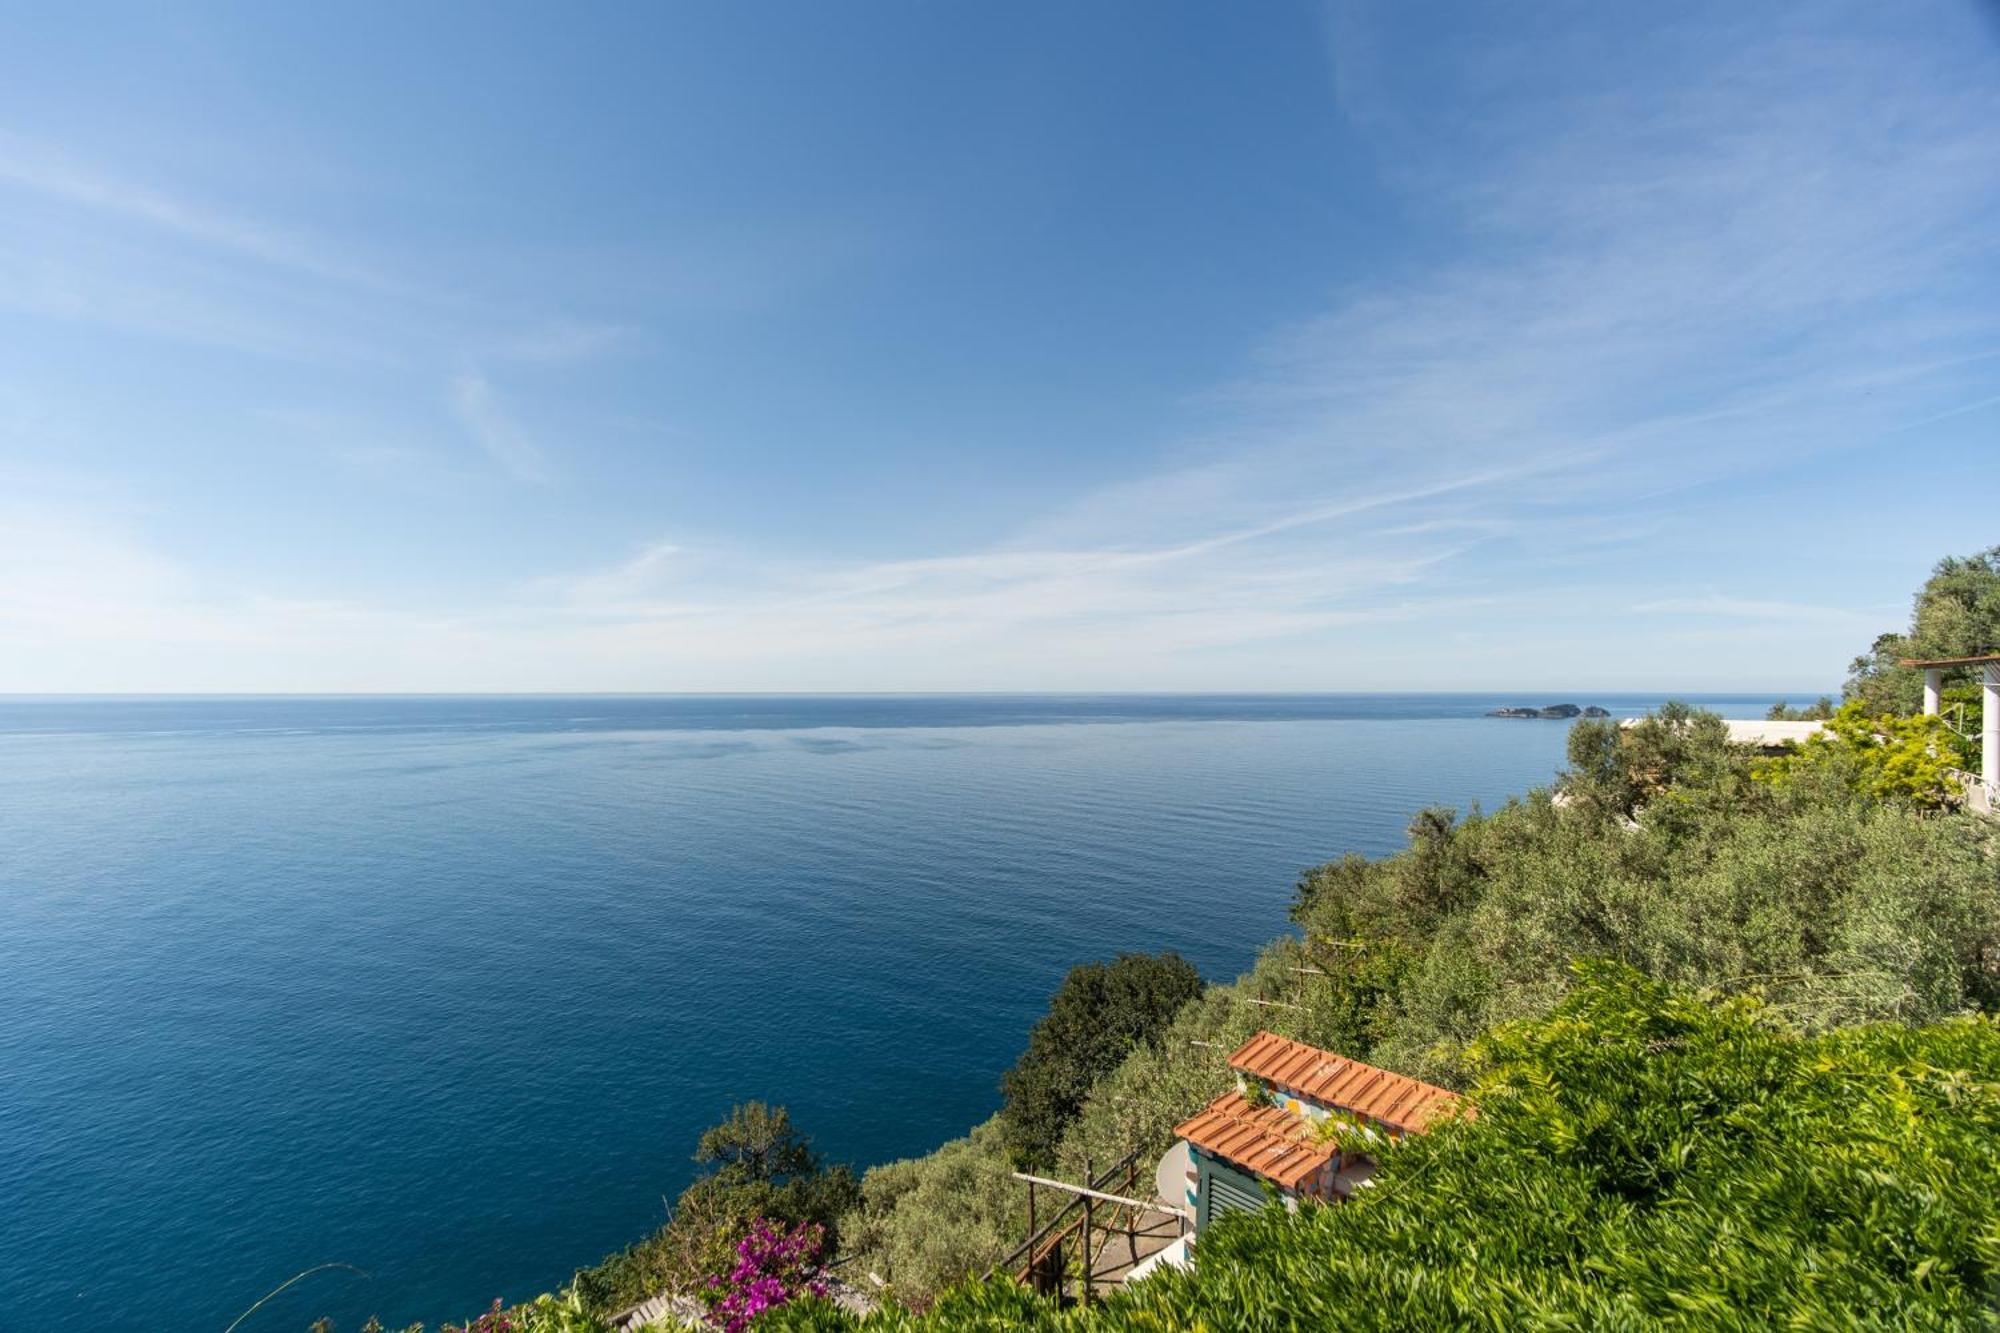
1119	1255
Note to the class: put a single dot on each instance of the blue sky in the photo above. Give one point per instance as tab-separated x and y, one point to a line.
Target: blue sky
924	346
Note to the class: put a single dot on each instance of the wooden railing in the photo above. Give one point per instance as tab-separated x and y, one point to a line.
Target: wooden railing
1045	1258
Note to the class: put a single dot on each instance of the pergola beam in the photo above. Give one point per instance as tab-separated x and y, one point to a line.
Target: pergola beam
1157	1206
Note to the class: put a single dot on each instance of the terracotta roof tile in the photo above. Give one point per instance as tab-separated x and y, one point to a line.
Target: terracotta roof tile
1273	1142
1396	1100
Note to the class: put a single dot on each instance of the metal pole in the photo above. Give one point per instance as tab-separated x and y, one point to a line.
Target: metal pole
1088	1204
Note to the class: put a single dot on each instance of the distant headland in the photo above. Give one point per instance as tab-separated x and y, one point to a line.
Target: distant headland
1552	710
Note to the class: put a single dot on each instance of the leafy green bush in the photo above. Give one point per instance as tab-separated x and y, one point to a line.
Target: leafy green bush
1642	1157
1095	1019
926	1222
1890	758
563	1313
1618	769
1845	907
761	1162
760	1166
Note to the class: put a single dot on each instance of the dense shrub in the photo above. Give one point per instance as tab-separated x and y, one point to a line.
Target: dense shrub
1096	1018
562	1313
760	1161
1891	758
773	1267
1842	906
926	1222
759	1166
1617	768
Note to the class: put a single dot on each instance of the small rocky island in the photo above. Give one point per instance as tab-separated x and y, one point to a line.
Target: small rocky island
1552	710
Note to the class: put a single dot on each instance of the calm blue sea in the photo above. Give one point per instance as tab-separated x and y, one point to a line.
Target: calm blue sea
445	988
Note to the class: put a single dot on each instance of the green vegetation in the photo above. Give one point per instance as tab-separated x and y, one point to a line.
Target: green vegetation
764	1198
1768	1092
1644	1156
1825	885
759	1167
1957	614
762	1163
1818	710
1099	1015
928	1222
1908	760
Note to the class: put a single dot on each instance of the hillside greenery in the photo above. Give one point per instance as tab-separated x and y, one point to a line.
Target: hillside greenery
757	1166
1821	915
1818	710
1835	899
1724	1015
1644	1156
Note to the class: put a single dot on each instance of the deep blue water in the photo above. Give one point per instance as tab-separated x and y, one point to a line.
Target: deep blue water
446	988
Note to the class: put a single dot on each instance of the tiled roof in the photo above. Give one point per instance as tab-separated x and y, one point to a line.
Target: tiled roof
1273	1142
1395	1100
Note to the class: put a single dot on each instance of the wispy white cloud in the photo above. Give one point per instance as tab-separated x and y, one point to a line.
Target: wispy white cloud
1774	216
1662	287
119	250
1721	606
1659	280
632	587
43	170
494	429
563	341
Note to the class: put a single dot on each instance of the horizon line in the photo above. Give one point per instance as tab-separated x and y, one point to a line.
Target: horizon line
26	695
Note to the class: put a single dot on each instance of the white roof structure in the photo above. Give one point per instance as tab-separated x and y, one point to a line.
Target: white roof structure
1761	732
1768	734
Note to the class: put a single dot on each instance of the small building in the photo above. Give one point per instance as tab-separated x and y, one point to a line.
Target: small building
1301	1119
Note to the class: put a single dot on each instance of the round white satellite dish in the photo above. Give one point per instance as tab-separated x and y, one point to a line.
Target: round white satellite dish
1173	1181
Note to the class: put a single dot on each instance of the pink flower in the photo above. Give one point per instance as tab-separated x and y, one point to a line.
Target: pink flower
773	1267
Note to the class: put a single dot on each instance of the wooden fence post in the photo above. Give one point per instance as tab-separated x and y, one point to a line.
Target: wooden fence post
1088	1262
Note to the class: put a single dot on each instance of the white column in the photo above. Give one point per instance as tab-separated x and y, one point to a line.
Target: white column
1989	731
1933	690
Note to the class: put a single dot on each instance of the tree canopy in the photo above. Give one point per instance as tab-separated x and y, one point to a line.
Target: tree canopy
1956	614
760	1166
1095	1019
1908	759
